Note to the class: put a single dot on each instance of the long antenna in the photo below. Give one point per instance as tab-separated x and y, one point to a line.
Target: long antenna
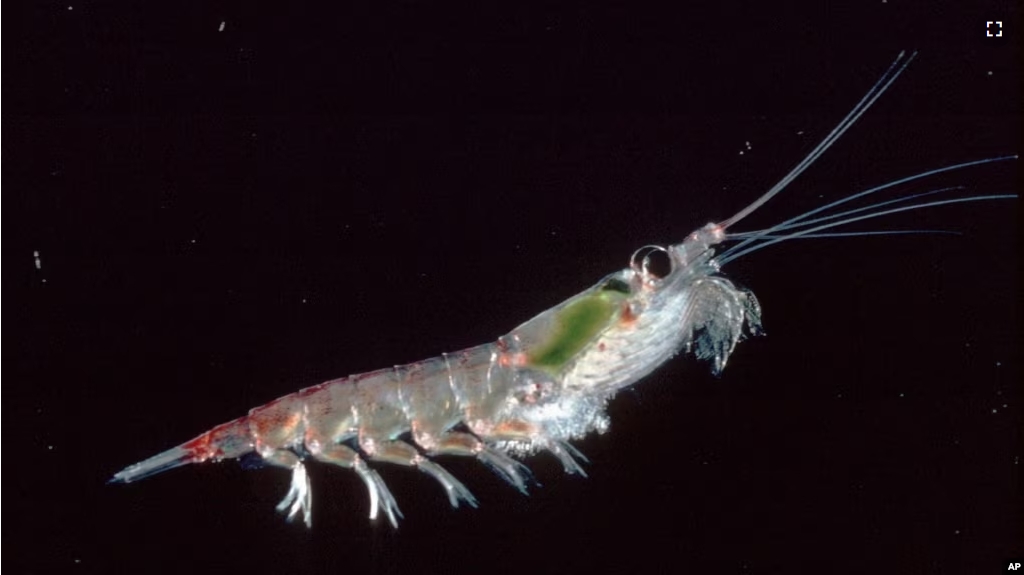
883	83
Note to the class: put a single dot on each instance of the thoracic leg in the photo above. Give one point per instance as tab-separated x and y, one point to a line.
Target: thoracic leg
524	431
299	496
404	454
380	495
465	444
568	455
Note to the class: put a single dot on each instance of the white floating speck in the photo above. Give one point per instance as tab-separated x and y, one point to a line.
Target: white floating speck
39	262
221	27
71	8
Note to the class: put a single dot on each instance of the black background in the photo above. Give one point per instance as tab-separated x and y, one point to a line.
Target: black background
224	217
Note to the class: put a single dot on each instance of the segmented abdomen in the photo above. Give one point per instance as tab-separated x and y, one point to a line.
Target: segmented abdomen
425	398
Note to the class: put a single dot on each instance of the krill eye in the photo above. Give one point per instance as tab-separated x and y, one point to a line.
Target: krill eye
658	263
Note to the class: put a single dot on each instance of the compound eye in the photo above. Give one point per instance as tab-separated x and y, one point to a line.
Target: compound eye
651	262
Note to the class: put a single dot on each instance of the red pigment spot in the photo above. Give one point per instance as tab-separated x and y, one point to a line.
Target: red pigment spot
600	346
514	428
272	418
200	447
515	359
627	316
198	444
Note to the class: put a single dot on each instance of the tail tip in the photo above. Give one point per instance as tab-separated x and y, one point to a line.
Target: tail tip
174	457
